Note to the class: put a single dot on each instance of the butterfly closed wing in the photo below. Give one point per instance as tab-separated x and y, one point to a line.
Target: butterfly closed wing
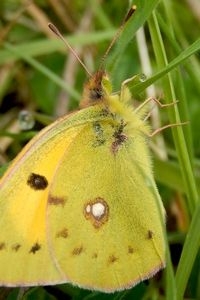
80	204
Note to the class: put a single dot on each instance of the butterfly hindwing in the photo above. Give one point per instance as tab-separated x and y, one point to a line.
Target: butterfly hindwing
109	234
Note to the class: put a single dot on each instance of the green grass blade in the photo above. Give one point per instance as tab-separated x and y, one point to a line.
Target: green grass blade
189	253
142	13
47	46
174	116
44	70
192	49
169	174
170	279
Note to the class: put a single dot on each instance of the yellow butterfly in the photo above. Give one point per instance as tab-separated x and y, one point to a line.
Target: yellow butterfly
79	204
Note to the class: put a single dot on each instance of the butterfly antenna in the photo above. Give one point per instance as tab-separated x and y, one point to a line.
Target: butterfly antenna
127	17
55	30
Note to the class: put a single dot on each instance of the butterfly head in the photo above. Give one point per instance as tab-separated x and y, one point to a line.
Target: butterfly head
96	88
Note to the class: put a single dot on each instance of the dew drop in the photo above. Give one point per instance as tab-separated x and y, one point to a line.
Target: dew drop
26	120
142	77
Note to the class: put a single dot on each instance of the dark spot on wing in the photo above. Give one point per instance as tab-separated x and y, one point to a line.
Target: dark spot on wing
94	255
2	246
112	258
36	247
130	249
119	138
99	134
149	234
16	247
63	233
37	182
77	251
54	200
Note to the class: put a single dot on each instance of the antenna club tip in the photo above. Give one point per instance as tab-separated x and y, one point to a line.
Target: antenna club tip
50	25
53	28
130	12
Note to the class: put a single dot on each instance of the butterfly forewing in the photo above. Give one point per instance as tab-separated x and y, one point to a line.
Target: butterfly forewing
24	191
